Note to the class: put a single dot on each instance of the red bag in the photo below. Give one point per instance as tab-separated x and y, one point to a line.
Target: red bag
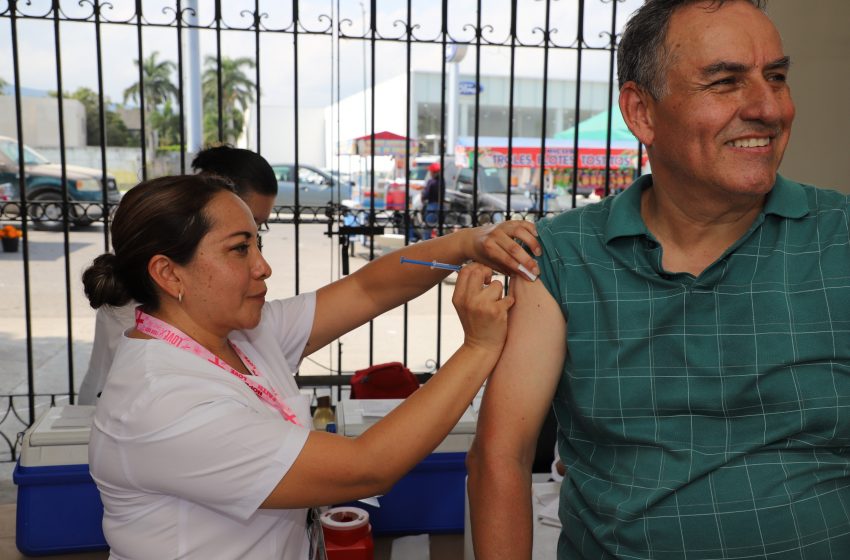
383	381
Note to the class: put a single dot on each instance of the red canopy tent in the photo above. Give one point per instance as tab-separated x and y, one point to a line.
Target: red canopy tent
386	144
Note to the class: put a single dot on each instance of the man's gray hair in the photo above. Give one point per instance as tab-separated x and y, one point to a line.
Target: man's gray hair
642	57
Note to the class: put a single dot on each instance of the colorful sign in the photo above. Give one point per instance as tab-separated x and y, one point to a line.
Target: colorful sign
556	157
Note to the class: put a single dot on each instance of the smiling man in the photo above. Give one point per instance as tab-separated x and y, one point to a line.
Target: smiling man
691	333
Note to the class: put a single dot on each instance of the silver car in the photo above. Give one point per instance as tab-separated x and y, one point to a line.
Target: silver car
315	187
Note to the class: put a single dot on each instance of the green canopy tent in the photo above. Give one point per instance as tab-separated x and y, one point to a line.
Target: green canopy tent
595	130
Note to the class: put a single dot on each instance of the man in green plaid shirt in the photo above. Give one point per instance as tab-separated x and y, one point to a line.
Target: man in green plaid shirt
702	388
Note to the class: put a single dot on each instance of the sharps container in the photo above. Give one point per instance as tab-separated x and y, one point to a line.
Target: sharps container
348	534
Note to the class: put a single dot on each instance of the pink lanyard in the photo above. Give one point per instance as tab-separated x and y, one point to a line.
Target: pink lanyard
174	336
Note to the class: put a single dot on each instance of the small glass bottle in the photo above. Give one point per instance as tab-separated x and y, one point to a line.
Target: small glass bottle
324	414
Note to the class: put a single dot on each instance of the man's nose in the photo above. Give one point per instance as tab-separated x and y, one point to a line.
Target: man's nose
764	102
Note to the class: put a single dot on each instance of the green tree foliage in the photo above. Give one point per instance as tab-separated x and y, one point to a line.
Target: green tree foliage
3	85
117	133
237	95
159	91
167	123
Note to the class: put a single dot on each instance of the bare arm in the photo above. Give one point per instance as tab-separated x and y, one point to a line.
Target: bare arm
516	400
385	283
333	468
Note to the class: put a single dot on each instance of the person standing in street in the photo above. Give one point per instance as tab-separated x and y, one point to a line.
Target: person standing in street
433	195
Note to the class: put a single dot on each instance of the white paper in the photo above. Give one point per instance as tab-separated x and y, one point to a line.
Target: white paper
547	495
412	547
373	501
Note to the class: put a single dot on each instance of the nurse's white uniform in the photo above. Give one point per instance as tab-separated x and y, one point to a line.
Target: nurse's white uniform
183	452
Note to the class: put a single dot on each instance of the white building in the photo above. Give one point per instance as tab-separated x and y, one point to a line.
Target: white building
354	112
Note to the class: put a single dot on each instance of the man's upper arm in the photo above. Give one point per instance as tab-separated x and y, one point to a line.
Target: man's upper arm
519	392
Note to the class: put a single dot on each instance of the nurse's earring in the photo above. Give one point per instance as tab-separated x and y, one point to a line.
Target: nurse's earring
180	296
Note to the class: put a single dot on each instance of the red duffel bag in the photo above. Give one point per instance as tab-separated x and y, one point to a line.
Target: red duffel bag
383	381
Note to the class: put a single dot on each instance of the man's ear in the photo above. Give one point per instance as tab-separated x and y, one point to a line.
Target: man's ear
165	275
636	107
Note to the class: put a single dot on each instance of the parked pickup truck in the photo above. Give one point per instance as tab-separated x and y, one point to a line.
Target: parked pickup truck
44	188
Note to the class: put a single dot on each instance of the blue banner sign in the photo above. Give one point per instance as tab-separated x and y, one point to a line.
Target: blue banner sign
469	88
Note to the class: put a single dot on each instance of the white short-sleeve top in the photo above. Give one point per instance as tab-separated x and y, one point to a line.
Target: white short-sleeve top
183	452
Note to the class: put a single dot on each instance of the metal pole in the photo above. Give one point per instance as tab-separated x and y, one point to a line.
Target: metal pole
194	108
365	103
451	137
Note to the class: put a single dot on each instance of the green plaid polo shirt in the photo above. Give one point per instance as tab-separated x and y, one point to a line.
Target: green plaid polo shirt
704	417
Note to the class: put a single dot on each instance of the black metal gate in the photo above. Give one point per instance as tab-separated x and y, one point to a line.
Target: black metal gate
553	34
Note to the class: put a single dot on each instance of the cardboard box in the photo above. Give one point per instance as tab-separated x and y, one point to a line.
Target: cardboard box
59	508
430	498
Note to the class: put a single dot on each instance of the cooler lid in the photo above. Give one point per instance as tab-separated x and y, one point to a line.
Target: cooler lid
358	414
62	425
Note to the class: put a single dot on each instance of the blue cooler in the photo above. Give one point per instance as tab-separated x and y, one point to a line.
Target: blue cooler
430	498
59	509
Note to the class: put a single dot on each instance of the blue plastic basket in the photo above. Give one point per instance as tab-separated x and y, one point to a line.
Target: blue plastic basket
429	499
59	510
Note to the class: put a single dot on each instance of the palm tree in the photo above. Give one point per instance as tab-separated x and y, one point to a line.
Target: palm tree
167	124
156	76
237	91
3	84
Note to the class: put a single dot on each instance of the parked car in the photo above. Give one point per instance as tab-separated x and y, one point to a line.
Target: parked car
492	195
315	187
44	188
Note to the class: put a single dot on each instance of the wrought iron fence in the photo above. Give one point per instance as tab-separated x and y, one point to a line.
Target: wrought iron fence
525	28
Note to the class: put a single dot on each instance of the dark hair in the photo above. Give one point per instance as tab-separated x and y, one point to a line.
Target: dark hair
248	170
642	56
164	216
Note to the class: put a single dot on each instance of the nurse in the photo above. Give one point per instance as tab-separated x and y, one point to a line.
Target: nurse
201	444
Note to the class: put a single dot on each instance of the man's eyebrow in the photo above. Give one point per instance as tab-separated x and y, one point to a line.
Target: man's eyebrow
739	67
779	64
723	66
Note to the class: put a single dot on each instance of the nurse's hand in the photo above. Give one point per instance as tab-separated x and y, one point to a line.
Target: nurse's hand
497	247
482	307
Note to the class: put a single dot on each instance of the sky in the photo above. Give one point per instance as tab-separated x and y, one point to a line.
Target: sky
317	55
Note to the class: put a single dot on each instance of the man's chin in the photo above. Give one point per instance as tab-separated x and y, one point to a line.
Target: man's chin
758	183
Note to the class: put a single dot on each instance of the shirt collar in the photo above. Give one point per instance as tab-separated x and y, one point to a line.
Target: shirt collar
624	219
786	199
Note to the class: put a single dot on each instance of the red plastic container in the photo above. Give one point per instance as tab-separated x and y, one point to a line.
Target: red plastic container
348	534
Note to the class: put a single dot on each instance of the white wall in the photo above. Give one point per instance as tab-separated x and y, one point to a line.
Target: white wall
122	163
40	116
816	35
277	134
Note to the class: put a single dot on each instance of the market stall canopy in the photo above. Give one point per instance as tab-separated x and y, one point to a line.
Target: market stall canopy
386	144
595	129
